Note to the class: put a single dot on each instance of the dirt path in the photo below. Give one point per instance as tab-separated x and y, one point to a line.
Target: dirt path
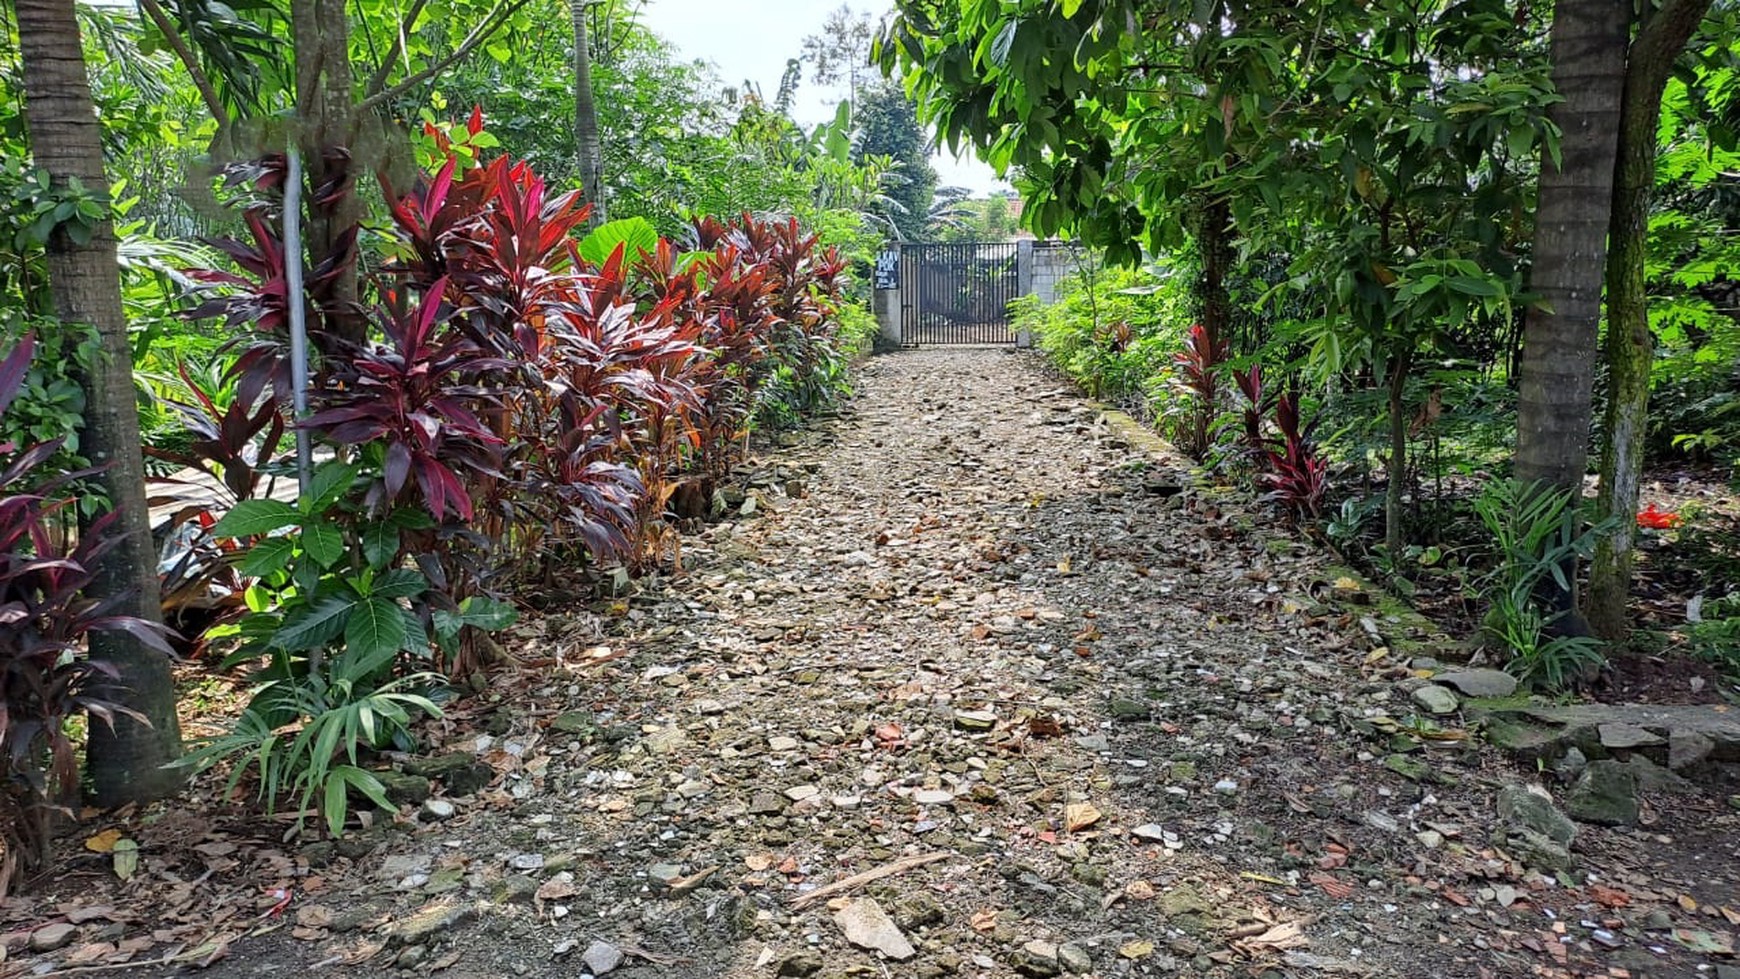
988	628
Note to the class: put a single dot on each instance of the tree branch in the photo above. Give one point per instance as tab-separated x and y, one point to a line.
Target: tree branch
1661	37
482	31
379	78
207	92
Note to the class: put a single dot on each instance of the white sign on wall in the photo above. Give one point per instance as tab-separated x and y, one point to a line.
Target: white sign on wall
888	269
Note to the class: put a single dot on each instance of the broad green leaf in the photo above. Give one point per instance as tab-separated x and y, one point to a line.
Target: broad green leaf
250	518
268	555
337	803
314	625
323	542
838	141
380	543
374	633
400	583
409	519
487	614
366	783
327	486
636	234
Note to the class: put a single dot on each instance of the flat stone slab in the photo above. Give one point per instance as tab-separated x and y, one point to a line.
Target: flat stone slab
866	925
1435	700
1478	683
1617	734
1675	735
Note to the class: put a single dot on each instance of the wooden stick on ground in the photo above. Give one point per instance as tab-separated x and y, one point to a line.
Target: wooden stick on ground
855	881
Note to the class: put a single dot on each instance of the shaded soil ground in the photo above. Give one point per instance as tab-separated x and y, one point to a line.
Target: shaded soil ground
969	621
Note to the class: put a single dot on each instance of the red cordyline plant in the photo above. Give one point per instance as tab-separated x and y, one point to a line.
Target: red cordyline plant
544	407
737	331
1257	404
46	619
1297	474
1198	375
254	302
407	399
230	443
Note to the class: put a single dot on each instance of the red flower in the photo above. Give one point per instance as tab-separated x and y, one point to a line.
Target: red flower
1656	519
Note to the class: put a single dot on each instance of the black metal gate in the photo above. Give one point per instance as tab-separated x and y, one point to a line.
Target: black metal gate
958	293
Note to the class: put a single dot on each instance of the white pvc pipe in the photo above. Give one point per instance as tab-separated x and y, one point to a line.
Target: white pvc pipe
298	317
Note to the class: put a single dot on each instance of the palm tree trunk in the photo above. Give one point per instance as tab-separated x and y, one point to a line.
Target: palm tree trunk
124	761
587	151
1630	346
1570	248
326	120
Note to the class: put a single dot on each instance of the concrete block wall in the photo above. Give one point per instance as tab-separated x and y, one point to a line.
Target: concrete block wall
885	303
1052	262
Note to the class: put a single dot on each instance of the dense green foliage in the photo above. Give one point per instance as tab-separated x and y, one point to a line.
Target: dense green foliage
887	128
1114	330
1355	188
499	390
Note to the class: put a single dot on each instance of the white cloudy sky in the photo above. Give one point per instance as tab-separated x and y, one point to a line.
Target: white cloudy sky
751	40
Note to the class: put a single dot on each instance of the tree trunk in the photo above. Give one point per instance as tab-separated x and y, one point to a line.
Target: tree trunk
1630	347
1570	248
326	120
1396	469
1214	241
125	761
588	155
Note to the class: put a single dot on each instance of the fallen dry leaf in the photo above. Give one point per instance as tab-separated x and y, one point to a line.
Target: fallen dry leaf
90	953
1080	815
1138	949
1611	897
555	889
1337	889
103	842
983	920
1045	726
79	916
1286	935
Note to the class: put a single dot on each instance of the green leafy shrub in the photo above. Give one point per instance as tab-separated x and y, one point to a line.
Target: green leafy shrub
1113	331
342	632
1715	636
1535	533
334	719
856	328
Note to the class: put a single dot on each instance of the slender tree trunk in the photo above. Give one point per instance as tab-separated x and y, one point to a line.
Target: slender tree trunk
1396	469
1630	347
1214	241
588	154
1570	248
125	761
326	121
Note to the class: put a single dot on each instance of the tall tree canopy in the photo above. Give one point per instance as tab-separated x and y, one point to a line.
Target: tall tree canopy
887	126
